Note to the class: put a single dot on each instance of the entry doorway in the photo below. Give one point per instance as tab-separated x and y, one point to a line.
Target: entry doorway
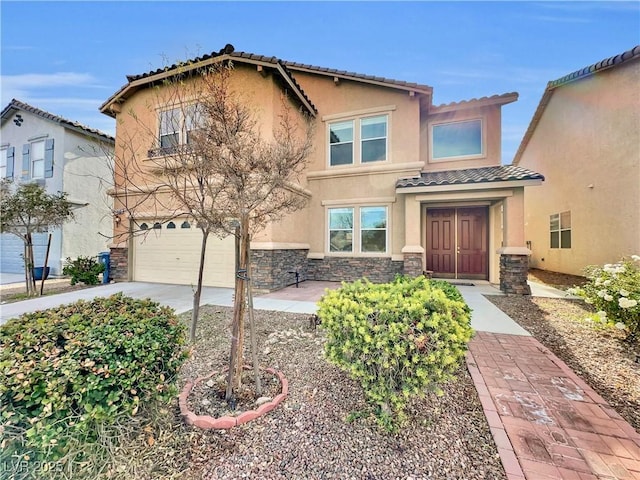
457	242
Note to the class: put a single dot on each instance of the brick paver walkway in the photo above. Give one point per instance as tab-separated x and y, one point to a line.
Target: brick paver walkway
546	421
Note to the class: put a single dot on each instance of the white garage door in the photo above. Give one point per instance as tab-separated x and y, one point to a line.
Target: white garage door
170	253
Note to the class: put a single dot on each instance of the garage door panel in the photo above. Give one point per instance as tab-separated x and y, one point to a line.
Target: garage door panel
173	256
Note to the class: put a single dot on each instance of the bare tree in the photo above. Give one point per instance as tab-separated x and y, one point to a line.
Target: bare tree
215	164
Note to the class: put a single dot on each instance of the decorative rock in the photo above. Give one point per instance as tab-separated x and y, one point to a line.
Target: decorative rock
266	351
263	400
205	402
210	383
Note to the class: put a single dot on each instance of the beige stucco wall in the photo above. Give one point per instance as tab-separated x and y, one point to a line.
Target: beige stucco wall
137	128
587	145
353	185
491	130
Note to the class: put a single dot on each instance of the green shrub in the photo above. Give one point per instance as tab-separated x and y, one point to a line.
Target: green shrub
398	339
614	291
68	371
83	269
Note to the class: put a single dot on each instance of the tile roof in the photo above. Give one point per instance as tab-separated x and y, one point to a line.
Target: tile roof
285	67
18	105
502	173
596	67
229	50
607	63
474	102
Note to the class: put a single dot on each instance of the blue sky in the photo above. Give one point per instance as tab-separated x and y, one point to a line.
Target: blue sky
69	57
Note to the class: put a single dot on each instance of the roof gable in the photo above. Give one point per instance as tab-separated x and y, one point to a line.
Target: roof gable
284	70
606	64
16	105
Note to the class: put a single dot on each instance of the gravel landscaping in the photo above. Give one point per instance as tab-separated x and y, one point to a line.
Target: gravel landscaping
320	432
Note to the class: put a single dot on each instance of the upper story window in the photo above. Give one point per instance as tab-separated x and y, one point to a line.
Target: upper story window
560	230
37	159
177	125
3	162
454	140
361	140
373	135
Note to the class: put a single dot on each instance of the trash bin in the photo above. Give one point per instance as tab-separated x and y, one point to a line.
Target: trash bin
105	259
38	272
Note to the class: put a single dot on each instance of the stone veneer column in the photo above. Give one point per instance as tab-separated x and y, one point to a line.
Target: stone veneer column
412	264
514	269
119	263
412	255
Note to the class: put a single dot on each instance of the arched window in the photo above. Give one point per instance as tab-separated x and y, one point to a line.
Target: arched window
185	224
171	225
144	226
157	226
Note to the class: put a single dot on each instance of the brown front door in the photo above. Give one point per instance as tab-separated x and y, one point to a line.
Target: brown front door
457	242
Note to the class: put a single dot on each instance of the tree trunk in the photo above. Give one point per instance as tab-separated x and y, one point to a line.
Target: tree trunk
28	265
44	267
244	248
196	296
238	300
252	326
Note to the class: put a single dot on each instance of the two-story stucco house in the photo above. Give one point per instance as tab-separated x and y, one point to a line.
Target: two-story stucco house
396	184
585	138
62	156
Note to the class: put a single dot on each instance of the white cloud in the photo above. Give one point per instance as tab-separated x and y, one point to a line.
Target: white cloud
42	80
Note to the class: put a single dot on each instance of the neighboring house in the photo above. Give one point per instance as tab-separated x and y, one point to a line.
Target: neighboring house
585	138
396	184
62	156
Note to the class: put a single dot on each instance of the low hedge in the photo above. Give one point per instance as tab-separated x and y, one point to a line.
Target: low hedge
397	339
65	372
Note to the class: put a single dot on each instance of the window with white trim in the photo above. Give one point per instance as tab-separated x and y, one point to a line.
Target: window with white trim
358	230
177	125
341	229
560	230
361	140
454	140
3	162
373	229
37	159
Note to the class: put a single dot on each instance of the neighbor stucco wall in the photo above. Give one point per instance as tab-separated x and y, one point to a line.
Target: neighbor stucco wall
587	145
87	176
34	128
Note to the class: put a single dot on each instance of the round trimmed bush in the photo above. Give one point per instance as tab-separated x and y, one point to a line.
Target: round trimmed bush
397	339
65	371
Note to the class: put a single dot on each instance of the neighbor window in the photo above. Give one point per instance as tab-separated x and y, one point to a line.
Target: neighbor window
457	139
358	229
3	163
362	140
37	159
560	230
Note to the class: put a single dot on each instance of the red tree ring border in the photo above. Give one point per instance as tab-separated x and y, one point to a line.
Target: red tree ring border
224	423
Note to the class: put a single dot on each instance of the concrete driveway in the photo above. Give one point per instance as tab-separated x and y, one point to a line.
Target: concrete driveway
178	297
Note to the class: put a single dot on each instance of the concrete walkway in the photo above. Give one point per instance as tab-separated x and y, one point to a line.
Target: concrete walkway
178	297
547	423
